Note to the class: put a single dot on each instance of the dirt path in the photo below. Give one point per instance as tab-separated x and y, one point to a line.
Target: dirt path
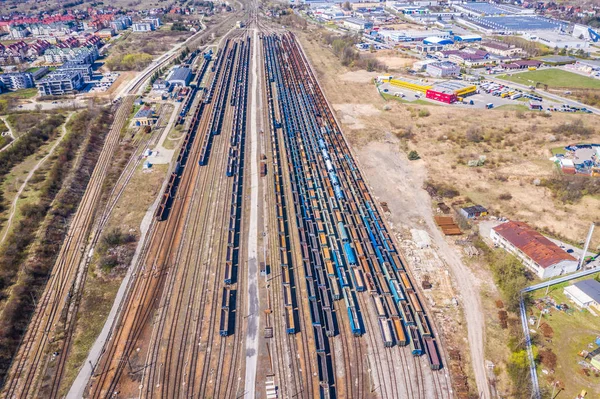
13	207
398	181
10	131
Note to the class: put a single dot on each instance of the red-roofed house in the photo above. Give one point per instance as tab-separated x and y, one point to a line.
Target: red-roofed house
538	253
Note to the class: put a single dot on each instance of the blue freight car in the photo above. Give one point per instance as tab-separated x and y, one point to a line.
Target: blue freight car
338	193
355	325
350	255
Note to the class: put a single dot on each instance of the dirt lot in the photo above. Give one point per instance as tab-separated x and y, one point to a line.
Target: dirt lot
393	59
516	145
154	43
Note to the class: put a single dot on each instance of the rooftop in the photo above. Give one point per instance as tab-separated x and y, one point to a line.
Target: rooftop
589	287
144	112
543	251
181	73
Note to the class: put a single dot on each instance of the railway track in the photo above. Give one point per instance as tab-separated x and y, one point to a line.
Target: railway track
337	275
189	293
44	329
349	242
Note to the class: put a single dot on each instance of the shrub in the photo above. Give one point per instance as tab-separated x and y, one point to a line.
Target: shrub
413	155
423	113
575	128
474	134
505	196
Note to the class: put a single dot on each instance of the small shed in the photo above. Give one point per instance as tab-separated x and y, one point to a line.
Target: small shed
472	212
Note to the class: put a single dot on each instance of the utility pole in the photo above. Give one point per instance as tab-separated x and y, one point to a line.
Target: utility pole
585	247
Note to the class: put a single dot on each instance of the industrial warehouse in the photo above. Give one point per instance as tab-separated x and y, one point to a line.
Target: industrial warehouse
449	91
539	254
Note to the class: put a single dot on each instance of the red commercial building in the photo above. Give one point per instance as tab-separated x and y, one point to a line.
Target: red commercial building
447	97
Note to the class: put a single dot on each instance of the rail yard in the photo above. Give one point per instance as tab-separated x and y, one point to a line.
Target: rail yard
339	313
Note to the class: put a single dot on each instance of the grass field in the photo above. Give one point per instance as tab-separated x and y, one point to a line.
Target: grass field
20	94
554	78
572	333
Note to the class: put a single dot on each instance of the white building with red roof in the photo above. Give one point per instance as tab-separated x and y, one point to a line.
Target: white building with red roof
538	253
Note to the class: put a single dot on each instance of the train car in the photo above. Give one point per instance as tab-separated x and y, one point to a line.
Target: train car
379	307
338	193
343	233
350	256
224	323
325	299
343	278
290	322
396	290
225	298
287	295
358	279
386	333
370	284
285	276
355	324
315	314
399	330
415	301
423	324
319	339
310	287
407	314
328	323
228	279
391	305
406	281
323	364
335	288
416	347
432	353
329	268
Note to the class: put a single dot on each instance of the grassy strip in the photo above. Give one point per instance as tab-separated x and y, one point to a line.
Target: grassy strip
554	78
24	147
57	203
20	94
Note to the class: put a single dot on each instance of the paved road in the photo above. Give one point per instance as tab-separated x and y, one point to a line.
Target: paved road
252	294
